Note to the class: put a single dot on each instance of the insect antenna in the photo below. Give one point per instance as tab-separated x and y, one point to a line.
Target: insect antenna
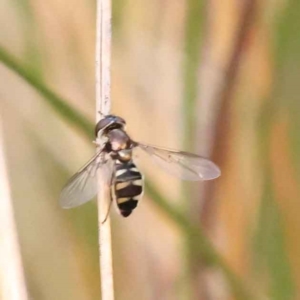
102	115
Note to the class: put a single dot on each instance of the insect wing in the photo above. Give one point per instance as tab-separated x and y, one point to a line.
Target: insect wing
83	186
184	165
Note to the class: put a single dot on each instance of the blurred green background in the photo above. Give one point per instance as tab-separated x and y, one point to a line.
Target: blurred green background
218	78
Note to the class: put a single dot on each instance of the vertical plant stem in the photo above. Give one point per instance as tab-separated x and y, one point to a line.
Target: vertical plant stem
192	45
103	103
224	98
12	281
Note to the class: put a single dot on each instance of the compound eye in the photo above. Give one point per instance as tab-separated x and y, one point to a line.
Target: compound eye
103	124
120	120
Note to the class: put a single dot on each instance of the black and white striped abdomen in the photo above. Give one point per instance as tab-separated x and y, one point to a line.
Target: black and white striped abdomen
128	186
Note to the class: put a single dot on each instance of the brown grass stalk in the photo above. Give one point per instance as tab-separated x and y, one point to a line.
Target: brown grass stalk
223	98
12	281
103	103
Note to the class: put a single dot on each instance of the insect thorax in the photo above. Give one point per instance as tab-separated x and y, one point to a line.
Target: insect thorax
118	140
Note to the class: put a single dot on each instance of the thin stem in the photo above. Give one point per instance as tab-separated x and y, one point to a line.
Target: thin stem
202	245
12	281
103	50
224	97
59	104
103	103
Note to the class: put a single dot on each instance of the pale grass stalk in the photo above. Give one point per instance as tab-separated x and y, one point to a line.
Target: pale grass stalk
12	281
103	103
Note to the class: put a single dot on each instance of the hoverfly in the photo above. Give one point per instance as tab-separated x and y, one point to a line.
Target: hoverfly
115	162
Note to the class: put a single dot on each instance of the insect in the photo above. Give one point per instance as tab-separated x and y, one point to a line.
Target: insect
116	165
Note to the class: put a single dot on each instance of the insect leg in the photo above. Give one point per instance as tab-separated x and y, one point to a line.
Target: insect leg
108	211
111	197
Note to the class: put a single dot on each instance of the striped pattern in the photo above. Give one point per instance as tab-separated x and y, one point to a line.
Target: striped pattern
128	186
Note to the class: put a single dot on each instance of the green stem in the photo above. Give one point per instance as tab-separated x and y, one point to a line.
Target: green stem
59	104
199	241
192	47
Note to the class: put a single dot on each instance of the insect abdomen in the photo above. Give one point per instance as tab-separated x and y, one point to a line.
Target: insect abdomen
128	187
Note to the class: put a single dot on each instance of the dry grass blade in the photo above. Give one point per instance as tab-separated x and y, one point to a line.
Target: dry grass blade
103	49
224	96
12	281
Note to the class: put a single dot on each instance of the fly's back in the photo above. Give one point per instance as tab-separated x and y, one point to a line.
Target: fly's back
127	186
